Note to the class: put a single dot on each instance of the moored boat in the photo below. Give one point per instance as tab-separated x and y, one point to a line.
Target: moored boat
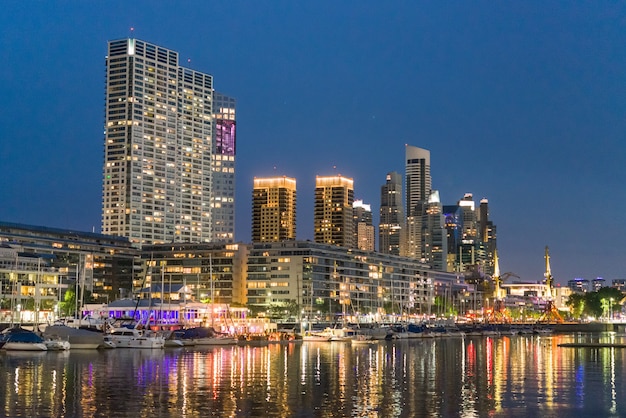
20	339
135	338
78	338
205	336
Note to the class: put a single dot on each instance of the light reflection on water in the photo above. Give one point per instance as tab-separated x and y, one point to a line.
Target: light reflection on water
454	377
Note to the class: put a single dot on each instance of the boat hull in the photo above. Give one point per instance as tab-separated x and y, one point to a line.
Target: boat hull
16	346
77	337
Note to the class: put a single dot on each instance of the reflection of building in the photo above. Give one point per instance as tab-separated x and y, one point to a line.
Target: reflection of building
159	145
363	228
418	188
274	209
391	215
332	217
104	264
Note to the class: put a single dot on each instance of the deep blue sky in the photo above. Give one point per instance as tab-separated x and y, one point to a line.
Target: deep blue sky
523	103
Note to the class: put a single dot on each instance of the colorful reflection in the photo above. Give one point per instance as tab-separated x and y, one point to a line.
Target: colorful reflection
477	376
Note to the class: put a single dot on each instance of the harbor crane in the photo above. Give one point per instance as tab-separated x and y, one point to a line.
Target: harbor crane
550	311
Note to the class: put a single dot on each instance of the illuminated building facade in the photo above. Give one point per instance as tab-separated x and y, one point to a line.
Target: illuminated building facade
274	209
321	280
223	154
418	188
209	272
434	239
103	265
28	285
364	234
333	220
159	145
391	215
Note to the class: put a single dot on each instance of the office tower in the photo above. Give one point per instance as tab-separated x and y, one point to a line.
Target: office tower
333	221
452	224
274	209
434	238
158	168
471	238
487	234
391	215
418	187
467	251
363	227
223	154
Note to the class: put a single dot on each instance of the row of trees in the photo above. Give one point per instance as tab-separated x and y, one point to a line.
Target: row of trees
602	303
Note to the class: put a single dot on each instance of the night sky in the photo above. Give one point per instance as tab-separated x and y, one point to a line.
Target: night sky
522	103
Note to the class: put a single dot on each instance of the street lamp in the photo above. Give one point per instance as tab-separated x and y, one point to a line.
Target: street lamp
611	309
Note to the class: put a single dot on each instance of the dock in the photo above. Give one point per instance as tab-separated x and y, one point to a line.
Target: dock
593	345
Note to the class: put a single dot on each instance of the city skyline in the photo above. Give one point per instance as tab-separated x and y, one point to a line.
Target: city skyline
516	103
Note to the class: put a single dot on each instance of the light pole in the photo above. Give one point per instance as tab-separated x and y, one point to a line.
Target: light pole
611	309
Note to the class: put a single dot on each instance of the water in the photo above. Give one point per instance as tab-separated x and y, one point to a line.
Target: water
515	376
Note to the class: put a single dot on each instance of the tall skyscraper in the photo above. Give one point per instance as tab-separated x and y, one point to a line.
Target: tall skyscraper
434	238
223	154
159	145
471	238
333	222
363	228
488	236
274	209
392	220
418	188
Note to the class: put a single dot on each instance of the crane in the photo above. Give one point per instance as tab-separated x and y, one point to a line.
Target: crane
550	311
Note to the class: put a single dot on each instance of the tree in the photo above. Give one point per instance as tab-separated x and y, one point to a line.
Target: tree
576	304
68	306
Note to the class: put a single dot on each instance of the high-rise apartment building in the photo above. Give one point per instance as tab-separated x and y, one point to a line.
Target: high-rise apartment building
274	209
223	154
392	220
333	221
418	188
363	227
159	145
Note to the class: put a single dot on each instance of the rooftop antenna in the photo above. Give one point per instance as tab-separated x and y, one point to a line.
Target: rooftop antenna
132	30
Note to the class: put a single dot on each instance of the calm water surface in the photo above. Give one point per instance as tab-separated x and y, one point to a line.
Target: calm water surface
515	376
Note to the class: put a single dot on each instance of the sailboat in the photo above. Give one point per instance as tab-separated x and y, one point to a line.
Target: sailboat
208	335
20	339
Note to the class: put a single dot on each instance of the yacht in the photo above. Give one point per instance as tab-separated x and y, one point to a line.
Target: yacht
135	338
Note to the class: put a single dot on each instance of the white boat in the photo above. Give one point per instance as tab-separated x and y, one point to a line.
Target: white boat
172	340
57	344
78	338
341	334
135	338
316	336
